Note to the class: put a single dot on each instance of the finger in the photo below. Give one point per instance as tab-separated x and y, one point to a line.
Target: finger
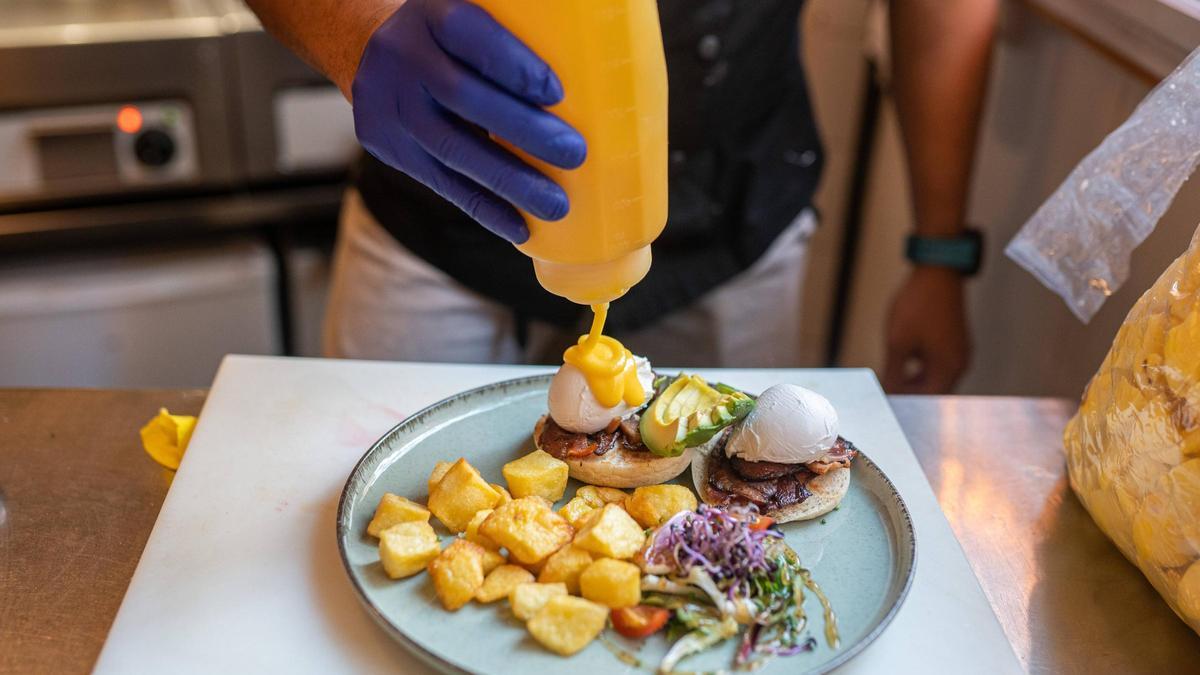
471	34
531	129
894	375
493	213
941	375
488	164
913	377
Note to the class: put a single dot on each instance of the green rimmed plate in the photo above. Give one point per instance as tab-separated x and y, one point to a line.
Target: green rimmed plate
863	554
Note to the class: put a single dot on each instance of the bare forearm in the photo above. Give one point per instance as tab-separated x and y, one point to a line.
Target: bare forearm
940	53
329	34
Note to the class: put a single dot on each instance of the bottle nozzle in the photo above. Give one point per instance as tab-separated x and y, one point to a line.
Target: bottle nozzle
596	283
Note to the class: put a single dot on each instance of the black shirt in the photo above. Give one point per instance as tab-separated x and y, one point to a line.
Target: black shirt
745	160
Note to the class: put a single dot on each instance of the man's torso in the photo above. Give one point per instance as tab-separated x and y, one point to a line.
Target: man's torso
745	159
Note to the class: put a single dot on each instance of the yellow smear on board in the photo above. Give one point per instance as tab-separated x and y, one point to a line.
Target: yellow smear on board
607	366
165	437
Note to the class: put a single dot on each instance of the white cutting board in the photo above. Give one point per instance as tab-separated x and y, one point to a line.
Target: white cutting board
242	574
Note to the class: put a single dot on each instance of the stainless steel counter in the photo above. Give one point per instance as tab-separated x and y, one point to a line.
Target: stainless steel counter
1067	599
78	498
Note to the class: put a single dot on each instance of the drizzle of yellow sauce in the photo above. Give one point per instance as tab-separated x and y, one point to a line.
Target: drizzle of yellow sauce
606	364
832	636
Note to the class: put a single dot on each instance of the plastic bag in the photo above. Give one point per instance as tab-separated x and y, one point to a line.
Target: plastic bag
1133	449
1079	242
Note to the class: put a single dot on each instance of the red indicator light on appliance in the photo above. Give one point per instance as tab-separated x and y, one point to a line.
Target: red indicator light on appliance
129	119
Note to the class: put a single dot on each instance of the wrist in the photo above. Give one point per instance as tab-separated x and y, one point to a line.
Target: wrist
356	44
960	254
936	228
939	274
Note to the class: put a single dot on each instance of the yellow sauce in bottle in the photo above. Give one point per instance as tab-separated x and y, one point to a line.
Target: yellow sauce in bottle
609	56
606	364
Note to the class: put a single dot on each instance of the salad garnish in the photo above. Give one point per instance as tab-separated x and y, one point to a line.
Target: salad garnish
719	569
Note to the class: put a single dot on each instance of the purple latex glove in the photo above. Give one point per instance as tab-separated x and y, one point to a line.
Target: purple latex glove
434	74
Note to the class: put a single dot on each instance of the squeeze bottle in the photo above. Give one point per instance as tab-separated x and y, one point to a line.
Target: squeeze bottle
609	56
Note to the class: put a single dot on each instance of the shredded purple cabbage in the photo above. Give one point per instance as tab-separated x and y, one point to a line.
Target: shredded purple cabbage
718	540
720	543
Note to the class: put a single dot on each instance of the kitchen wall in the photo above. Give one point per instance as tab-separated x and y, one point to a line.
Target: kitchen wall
837	70
1056	92
1055	97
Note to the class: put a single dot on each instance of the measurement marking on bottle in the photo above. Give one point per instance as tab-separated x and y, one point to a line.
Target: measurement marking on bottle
614	113
622	63
626	202
611	12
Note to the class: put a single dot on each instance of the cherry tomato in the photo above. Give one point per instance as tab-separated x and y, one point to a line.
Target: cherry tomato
641	621
762	523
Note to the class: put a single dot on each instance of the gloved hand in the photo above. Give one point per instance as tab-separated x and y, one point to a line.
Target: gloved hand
430	77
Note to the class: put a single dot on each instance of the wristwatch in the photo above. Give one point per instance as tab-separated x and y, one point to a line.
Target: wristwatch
962	253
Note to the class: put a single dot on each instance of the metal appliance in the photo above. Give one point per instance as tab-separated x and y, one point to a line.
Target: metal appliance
171	124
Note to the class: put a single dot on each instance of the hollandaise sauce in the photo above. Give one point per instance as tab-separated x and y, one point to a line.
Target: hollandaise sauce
607	366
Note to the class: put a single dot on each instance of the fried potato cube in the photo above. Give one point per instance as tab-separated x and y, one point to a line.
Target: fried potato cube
1158	537
491	560
457	573
612	583
528	529
526	599
654	505
566	625
501	581
505	495
599	496
583	520
612	533
1189	446
587	518
459	495
406	548
566	565
536	568
472	532
1189	592
575	510
393	510
1181	355
438	473
537	473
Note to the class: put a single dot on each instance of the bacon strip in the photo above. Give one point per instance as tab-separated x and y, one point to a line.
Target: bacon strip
630	427
840	456
771	485
773	493
565	444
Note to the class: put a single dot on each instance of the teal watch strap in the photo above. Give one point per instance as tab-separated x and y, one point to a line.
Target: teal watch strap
963	253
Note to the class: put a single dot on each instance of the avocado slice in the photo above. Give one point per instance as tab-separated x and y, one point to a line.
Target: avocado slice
688	413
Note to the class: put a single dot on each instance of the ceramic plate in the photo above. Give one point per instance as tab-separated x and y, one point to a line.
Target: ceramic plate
862	554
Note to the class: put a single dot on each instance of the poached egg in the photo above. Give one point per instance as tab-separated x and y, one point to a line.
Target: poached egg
789	425
574	408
